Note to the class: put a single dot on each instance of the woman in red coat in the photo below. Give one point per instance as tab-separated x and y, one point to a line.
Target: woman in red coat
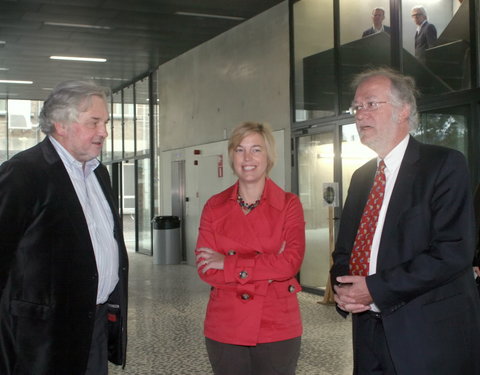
250	246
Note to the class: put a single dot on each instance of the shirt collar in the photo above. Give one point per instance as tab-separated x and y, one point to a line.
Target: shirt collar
272	194
420	26
69	160
395	157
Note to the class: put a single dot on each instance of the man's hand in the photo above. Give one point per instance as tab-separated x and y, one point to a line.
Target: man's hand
352	294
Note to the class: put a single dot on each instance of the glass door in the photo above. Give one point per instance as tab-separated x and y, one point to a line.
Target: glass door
315	169
325	165
143	214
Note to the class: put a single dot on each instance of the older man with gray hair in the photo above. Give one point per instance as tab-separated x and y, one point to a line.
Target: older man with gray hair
403	257
426	34
63	261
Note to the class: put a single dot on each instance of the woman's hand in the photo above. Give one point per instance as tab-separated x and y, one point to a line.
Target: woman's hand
209	259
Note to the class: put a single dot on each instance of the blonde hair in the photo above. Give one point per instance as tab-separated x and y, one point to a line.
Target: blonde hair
247	128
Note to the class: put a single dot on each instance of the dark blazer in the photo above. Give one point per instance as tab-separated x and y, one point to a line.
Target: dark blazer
48	273
424	284
371	31
424	39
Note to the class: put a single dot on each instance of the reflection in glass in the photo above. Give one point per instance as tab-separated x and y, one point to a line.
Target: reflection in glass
144	215
129	121
117	126
361	47
445	66
445	127
354	155
315	167
142	117
23	130
314	74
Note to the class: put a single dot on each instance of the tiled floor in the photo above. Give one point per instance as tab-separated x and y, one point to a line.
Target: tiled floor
167	307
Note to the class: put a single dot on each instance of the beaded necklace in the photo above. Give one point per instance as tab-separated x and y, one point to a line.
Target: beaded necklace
247	207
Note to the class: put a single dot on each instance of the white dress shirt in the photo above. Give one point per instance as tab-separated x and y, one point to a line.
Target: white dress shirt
98	216
392	165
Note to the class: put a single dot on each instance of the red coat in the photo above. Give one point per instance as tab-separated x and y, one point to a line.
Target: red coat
253	300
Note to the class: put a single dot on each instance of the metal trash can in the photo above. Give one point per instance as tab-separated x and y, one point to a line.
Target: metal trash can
166	240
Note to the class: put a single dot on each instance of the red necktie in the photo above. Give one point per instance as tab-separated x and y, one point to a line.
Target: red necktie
360	258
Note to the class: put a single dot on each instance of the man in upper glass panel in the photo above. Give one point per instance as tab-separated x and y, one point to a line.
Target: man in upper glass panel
378	15
426	34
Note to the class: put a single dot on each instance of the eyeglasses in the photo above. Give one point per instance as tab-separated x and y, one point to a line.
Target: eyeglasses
368	106
417	15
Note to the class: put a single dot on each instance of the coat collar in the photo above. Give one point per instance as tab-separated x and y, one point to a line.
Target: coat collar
272	194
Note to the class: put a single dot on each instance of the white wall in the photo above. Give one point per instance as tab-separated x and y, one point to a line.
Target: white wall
241	75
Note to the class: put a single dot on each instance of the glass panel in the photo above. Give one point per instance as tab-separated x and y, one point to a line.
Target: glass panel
156	137
108	144
23	130
445	127
354	155
129	121
438	56
144	214
128	202
314	74
117	127
142	117
365	40
3	130
315	167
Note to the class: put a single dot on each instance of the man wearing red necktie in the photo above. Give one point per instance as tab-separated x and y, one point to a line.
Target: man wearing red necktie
402	262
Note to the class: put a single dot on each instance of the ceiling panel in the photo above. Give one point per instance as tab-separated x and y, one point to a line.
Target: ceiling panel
134	36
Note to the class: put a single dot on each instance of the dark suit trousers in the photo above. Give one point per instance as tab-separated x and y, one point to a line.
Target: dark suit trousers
98	358
370	348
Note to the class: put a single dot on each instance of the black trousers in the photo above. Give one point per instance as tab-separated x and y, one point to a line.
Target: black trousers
98	358
370	347
275	358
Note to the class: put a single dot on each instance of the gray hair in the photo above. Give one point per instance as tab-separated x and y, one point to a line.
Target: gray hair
66	101
420	9
403	90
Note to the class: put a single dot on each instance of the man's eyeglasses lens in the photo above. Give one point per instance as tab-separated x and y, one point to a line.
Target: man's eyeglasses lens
368	106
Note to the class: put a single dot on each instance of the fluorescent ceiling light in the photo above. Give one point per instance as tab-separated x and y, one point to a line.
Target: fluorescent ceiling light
209	16
77	25
109	79
75	58
16	82
4	69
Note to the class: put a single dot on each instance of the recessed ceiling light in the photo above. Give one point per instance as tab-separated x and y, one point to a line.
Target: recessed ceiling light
78	25
209	16
77	58
16	82
4	69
